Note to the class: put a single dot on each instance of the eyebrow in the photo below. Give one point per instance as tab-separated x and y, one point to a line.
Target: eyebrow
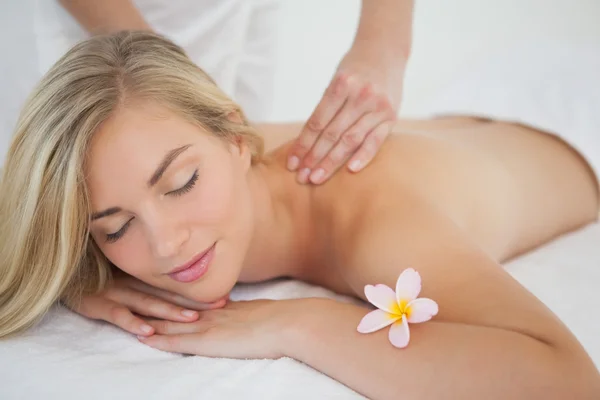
164	164
160	170
105	213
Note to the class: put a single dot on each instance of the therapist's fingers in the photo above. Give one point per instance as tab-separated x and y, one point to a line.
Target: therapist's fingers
370	146
332	101
351	140
360	100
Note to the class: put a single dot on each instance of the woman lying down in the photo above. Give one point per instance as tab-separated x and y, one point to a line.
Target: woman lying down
129	158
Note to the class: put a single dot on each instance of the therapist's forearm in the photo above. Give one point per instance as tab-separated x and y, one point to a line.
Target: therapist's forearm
106	16
385	27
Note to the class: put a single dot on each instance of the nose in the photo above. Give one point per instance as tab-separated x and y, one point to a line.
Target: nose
167	237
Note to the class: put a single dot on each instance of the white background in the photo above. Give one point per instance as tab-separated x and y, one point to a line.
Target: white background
314	34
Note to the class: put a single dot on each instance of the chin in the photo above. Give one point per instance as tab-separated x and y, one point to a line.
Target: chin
218	281
211	290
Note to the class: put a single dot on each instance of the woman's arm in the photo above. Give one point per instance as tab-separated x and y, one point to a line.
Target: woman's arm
106	16
492	339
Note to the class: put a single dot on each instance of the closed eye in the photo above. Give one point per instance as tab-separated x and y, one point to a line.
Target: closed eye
187	187
113	237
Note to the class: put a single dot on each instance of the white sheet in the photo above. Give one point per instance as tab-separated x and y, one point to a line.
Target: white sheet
70	357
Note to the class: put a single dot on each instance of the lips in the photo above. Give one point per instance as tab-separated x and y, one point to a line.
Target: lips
195	268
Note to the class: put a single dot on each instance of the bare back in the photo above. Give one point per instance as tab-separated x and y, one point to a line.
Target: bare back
511	188
508	188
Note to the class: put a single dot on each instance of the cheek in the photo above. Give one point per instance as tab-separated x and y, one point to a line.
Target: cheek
214	201
128	255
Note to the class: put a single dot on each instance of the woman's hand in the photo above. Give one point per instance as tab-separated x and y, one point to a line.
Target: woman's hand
127	296
353	118
242	329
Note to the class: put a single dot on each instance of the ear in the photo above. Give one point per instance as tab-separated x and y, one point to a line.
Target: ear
239	146
235	116
242	152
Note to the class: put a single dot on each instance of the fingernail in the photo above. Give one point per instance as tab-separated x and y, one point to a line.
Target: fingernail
354	165
188	313
293	163
317	176
140	337
303	175
146	328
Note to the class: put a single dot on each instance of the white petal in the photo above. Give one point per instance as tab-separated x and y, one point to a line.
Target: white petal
399	333
375	320
408	286
383	297
421	310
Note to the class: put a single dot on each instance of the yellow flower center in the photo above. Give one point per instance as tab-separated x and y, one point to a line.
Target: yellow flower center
400	309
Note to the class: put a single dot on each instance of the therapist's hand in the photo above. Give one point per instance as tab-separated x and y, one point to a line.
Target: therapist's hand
351	121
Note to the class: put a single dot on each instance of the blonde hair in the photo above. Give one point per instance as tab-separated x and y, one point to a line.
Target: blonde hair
46	252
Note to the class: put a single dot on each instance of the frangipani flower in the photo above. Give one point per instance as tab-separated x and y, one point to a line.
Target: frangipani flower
397	308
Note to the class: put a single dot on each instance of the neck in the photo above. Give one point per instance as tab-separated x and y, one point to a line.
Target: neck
280	246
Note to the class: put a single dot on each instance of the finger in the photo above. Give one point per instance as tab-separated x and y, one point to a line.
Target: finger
371	145
345	118
163	327
350	141
222	343
332	101
361	101
171	297
100	308
191	343
149	305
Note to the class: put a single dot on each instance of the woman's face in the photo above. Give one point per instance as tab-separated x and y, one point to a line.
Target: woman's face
165	195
